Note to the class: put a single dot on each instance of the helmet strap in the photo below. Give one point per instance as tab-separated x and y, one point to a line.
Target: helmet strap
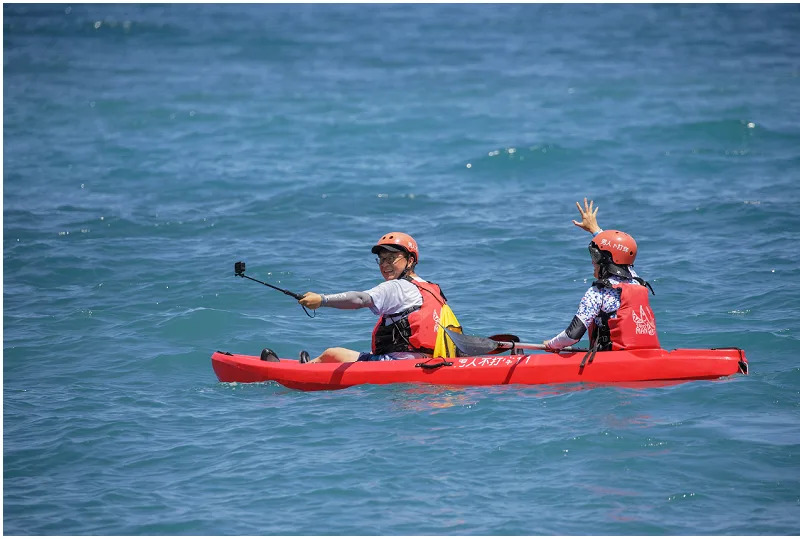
408	269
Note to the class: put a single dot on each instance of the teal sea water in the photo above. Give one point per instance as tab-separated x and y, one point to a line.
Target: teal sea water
146	148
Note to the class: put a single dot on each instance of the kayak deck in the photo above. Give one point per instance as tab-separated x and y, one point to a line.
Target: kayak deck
611	367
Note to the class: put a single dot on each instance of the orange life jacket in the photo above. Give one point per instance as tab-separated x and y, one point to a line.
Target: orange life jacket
416	330
634	325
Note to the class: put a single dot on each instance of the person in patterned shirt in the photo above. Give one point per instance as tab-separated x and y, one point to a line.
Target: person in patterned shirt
599	302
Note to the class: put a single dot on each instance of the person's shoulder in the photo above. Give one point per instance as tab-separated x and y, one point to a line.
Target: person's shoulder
385	286
598	285
601	289
592	292
395	285
413	285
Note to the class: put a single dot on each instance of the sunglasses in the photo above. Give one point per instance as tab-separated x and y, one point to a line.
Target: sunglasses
595	253
388	259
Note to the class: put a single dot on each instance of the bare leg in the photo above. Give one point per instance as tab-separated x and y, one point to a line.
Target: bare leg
336	355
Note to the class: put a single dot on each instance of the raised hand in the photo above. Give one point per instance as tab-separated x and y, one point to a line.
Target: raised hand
588	213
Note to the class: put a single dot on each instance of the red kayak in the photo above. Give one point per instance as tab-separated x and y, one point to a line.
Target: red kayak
613	367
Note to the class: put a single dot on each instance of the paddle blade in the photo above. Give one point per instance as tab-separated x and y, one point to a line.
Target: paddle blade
471	345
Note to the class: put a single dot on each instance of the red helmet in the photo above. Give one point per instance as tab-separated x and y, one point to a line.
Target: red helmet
621	247
397	241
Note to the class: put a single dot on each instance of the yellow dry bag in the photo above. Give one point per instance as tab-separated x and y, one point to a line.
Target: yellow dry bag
444	344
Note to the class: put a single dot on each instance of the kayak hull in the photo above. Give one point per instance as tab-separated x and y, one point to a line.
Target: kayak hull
613	367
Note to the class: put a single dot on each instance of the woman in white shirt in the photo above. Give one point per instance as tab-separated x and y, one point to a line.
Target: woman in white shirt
407	306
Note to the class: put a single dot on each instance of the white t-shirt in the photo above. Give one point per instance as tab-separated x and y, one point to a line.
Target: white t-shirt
394	296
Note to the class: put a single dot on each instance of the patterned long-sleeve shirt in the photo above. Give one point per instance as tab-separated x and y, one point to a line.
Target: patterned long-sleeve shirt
594	301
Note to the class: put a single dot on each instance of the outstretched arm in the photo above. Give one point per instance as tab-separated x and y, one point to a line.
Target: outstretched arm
588	309
568	337
343	300
588	220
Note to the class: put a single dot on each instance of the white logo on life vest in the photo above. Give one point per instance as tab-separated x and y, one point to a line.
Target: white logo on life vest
436	321
644	324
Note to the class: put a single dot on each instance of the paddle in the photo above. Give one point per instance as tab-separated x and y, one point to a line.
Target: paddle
239	268
472	345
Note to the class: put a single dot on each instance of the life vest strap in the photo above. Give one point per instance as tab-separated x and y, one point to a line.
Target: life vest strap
605	283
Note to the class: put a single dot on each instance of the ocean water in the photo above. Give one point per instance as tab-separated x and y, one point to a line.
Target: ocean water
149	147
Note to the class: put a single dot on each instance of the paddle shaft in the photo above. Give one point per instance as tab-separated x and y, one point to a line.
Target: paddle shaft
473	345
533	346
506	339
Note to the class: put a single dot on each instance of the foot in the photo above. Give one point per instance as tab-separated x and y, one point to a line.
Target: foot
268	355
304	357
